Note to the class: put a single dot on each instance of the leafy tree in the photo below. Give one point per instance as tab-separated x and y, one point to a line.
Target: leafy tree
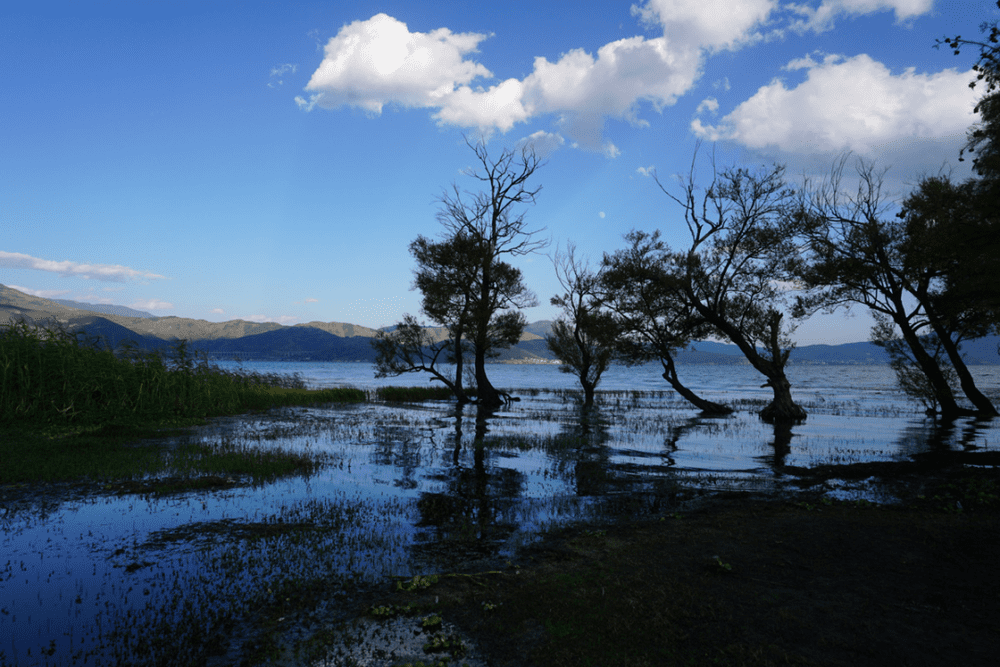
490	221
583	337
984	136
446	275
861	254
743	246
910	377
642	285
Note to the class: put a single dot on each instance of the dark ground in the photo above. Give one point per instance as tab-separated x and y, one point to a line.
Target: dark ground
751	581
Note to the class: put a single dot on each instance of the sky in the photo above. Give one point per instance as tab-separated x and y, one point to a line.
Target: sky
272	161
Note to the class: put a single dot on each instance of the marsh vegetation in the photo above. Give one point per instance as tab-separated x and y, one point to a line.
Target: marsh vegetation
267	537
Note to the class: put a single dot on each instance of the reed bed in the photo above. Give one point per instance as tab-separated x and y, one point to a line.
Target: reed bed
50	377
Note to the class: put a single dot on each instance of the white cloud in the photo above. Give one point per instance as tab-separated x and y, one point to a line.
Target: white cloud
708	24
217	311
542	142
281	319
151	304
42	293
278	73
379	61
311	300
107	272
821	18
646	171
373	63
709	104
600	214
849	104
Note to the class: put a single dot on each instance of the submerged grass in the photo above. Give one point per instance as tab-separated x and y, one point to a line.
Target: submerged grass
406	394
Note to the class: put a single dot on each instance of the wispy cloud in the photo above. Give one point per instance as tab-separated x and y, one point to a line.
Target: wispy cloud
281	319
278	73
151	304
822	18
107	272
41	293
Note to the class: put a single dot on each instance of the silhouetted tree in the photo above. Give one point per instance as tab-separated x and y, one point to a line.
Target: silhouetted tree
410	347
743	248
642	285
861	254
583	337
490	221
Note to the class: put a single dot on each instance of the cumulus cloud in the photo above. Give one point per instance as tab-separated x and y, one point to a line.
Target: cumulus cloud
646	171
822	17
151	304
849	104
708	24
378	62
107	272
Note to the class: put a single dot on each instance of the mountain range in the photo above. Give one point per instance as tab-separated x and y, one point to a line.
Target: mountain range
337	341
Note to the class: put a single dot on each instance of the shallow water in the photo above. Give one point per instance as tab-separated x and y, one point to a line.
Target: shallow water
99	578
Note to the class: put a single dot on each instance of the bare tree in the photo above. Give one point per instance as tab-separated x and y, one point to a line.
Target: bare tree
491	219
583	337
743	248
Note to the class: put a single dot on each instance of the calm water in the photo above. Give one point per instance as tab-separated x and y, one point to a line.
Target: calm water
107	579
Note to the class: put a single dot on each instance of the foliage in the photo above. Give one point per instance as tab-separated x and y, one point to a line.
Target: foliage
642	287
743	249
584	336
984	137
911	379
489	222
410	348
861	254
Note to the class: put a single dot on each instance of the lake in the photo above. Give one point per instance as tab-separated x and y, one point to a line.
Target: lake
108	578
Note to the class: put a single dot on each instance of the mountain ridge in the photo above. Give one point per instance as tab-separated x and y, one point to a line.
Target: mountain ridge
340	341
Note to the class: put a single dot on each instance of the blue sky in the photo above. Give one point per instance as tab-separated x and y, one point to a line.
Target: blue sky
271	161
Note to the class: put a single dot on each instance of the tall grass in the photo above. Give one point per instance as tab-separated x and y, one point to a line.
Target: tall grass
51	377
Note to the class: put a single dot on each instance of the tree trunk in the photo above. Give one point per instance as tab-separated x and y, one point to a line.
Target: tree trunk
459	364
588	393
782	409
487	396
708	407
943	393
968	383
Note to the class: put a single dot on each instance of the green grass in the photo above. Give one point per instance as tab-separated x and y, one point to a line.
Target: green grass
72	409
51	378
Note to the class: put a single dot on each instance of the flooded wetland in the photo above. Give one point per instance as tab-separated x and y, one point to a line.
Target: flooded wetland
297	569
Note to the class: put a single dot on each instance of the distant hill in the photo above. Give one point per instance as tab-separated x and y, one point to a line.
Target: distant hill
338	341
107	309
